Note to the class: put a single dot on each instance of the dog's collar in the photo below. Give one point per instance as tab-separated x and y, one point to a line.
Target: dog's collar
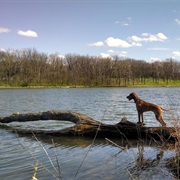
135	100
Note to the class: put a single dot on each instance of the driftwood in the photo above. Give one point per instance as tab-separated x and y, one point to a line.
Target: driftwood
86	126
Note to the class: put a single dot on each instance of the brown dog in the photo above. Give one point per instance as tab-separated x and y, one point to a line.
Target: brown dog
143	106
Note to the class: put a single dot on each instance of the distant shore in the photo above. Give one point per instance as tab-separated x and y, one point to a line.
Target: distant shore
67	87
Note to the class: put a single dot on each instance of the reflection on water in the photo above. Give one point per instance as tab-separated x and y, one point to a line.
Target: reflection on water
79	157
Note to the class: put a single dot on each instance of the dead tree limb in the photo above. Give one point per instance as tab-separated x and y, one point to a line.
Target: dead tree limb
86	126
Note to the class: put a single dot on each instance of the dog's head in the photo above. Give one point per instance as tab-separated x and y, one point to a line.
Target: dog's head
132	96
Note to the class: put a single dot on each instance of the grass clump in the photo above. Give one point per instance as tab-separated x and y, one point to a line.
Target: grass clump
35	171
173	163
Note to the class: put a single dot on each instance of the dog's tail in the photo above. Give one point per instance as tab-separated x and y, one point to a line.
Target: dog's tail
165	109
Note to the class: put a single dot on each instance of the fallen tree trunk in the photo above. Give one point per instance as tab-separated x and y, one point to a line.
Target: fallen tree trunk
86	126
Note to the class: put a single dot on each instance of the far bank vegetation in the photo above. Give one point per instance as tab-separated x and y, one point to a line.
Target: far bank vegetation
32	68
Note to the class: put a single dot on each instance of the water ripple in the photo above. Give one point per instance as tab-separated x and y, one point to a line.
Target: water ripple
100	160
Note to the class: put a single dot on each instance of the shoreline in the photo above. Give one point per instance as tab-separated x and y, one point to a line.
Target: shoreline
70	87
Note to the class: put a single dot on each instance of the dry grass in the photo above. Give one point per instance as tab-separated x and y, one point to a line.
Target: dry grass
173	163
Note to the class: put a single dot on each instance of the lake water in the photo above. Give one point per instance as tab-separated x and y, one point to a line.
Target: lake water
83	158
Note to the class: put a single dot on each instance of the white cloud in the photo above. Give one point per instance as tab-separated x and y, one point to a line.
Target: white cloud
146	37
136	44
161	37
111	51
4	30
104	55
176	53
61	56
177	21
132	41
135	38
115	42
28	33
99	43
154	59
2	50
123	54
126	22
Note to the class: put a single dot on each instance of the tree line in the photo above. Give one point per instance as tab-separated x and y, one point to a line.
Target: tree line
32	68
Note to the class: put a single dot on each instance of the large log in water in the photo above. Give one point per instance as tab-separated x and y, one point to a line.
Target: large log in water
86	126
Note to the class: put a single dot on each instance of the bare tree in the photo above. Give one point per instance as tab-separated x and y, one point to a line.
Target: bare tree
29	67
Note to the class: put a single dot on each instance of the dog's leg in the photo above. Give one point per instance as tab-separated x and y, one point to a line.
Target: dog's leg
160	119
142	115
139	118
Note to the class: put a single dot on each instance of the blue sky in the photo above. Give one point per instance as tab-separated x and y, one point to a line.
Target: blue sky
139	29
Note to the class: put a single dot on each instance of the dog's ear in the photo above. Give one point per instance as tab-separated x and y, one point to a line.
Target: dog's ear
133	94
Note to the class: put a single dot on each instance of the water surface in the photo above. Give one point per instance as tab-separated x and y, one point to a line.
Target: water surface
83	158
